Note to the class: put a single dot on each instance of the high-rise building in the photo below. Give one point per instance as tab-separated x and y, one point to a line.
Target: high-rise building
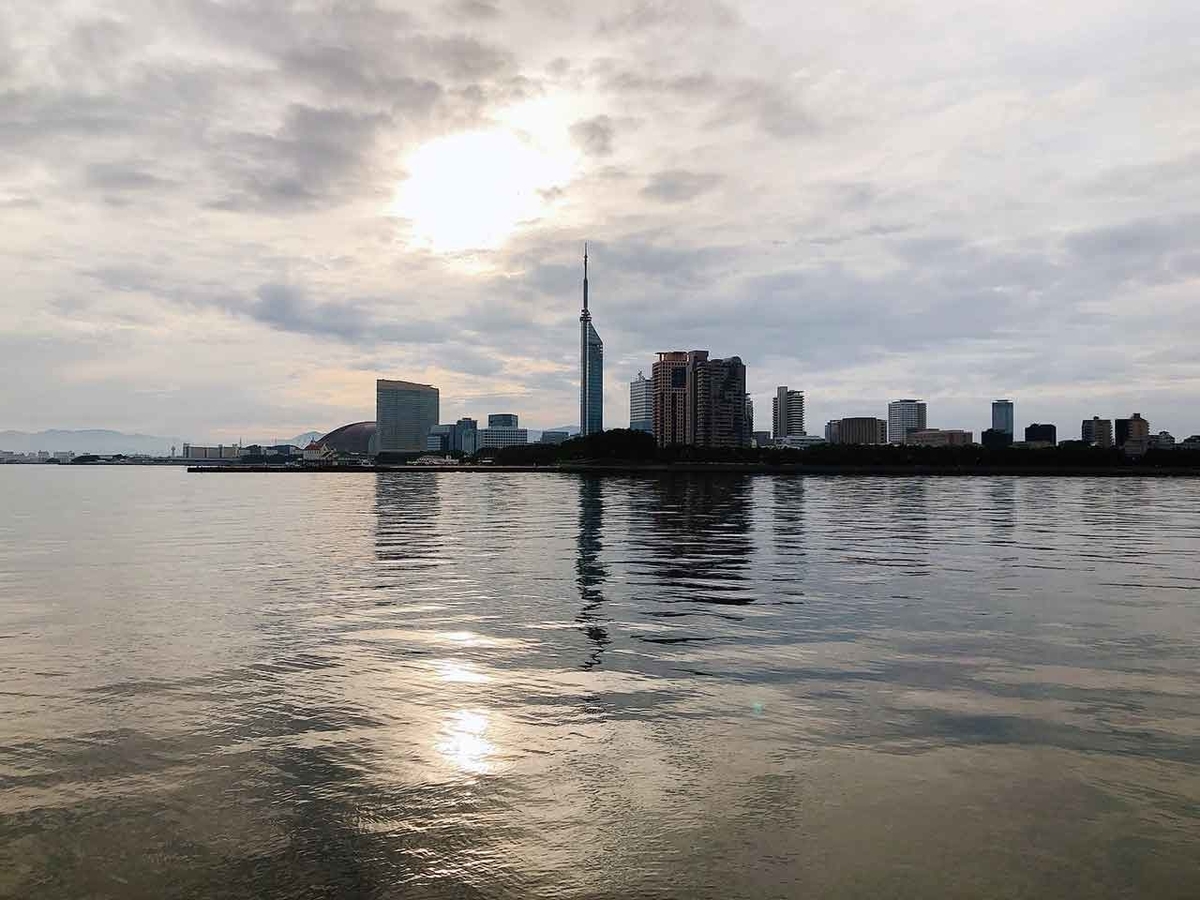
669	377
861	430
716	401
405	412
904	416
833	431
591	367
750	417
1097	432
502	420
1134	427
1041	434
787	413
641	404
700	401
1002	416
1136	434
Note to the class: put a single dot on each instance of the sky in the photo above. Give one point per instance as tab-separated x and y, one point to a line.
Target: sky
229	218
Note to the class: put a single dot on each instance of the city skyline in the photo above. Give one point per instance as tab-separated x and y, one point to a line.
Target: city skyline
231	224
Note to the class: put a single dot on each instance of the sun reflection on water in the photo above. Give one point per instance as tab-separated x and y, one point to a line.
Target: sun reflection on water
457	671
463	741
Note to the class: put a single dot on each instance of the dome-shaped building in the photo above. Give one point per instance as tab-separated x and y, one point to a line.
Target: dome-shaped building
354	438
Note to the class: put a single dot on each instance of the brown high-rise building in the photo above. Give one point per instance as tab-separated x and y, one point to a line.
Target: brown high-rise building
700	401
669	376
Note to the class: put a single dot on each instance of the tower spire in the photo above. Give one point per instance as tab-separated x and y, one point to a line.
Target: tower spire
585	283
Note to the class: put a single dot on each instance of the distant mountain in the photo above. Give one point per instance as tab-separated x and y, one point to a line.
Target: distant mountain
300	440
572	430
303	440
99	441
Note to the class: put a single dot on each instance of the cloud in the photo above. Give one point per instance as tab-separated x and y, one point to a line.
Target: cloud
595	135
866	203
680	185
475	9
318	156
127	176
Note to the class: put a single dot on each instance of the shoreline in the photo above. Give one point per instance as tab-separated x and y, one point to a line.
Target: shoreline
660	469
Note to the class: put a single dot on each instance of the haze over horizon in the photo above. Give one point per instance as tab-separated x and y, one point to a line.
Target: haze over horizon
230	219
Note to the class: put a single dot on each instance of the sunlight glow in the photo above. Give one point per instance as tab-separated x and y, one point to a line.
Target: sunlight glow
472	190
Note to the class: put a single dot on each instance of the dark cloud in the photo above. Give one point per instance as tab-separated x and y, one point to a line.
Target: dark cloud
289	308
595	135
318	157
649	15
773	107
130	176
344	72
624	81
680	185
475	9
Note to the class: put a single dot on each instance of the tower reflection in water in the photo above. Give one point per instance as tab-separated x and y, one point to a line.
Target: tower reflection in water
590	571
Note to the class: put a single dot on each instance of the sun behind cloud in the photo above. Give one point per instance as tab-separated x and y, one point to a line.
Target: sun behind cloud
473	190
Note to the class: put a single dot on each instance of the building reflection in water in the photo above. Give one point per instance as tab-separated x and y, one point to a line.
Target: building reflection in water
790	562
408	541
699	535
590	571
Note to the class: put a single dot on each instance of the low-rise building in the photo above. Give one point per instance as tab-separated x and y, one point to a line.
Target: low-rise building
862	430
558	437
762	438
1041	434
220	451
801	441
495	438
1164	440
996	439
319	453
940	437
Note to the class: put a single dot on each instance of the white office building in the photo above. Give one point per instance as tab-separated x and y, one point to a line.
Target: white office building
641	404
502	436
787	414
905	416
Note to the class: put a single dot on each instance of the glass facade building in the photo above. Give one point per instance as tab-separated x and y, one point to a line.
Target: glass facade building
405	413
1002	416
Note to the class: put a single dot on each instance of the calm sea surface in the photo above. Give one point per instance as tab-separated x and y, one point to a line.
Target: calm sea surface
533	685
